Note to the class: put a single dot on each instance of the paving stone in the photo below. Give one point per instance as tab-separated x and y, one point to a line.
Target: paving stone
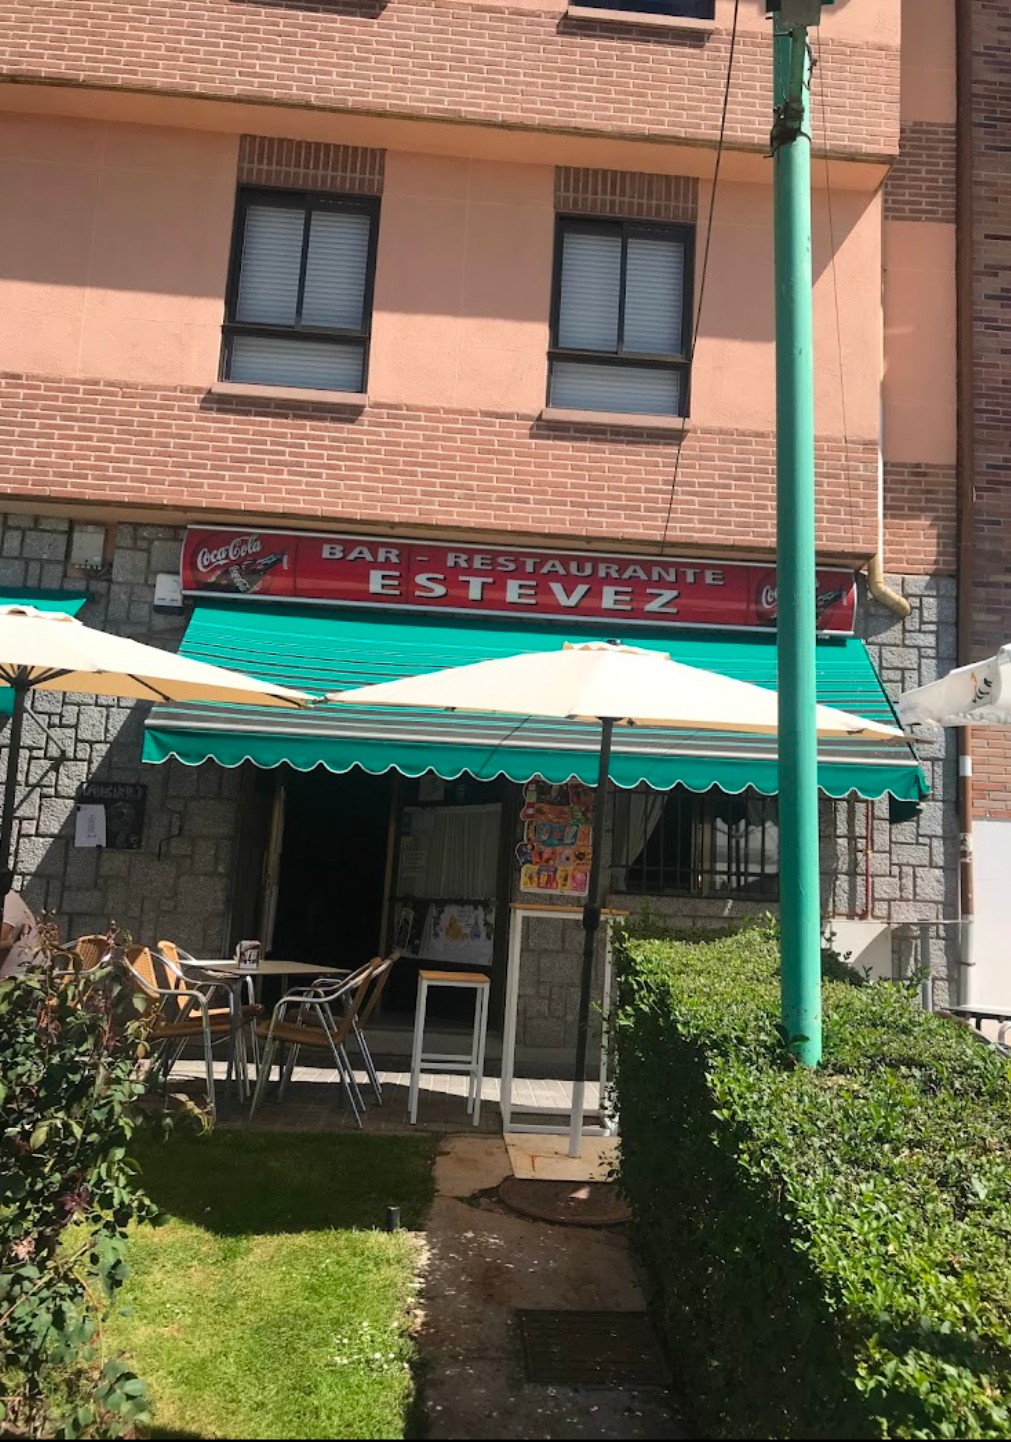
129	565
164	556
43	545
12	572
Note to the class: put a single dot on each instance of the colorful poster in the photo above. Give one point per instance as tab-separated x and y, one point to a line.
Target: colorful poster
556	845
461	932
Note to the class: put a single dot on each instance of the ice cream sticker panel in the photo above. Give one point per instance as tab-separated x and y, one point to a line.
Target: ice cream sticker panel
556	838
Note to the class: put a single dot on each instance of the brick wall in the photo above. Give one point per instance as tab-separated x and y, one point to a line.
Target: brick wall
991	749
991	591
921	183
118	444
920	516
453	61
310	165
630	193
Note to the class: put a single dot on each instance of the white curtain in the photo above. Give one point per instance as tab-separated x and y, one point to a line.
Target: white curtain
635	819
747	824
459	854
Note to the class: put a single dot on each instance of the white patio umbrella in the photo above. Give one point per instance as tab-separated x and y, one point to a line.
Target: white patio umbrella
976	695
616	685
51	651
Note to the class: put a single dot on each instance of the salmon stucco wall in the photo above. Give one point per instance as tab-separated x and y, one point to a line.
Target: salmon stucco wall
463	284
918	411
734	381
114	253
114	249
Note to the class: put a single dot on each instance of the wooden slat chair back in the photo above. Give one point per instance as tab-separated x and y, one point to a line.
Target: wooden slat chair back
354	1001
140	963
243	1014
170	952
380	976
180	1012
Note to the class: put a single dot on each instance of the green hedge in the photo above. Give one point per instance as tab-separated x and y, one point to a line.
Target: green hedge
830	1250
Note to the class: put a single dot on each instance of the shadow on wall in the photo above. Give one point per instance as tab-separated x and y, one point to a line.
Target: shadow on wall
175	885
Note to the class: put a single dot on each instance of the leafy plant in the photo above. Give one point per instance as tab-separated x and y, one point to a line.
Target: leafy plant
830	1248
71	1093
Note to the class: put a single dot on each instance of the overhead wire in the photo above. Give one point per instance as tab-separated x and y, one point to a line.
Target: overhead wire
705	266
833	270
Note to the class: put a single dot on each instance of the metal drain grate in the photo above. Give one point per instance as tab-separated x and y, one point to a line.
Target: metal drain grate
591	1349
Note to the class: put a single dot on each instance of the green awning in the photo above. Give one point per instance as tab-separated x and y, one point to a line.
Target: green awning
321	649
68	601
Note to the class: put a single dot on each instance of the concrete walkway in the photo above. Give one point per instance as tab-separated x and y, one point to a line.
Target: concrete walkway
314	1101
484	1262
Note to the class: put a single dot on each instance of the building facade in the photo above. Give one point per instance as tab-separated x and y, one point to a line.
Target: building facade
984	222
407	331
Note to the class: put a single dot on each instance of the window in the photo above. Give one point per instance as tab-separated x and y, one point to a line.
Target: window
621	317
680	843
300	293
681	9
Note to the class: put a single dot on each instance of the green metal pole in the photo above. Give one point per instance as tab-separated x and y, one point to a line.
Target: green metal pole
800	904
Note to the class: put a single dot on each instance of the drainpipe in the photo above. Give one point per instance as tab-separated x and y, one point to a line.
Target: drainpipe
965	470
877	586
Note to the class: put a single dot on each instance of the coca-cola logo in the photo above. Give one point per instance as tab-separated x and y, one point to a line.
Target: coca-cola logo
767	597
237	549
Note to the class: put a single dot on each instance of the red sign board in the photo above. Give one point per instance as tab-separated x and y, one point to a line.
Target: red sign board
496	580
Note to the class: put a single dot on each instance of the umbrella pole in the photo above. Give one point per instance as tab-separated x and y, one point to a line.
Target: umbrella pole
591	925
10	792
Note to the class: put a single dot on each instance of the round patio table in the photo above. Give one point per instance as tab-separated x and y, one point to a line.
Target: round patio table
227	970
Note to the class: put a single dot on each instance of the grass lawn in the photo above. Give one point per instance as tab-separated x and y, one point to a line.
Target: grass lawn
269	1304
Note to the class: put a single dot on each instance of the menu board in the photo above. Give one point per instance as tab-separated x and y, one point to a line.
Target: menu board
124	804
556	845
447	931
463	932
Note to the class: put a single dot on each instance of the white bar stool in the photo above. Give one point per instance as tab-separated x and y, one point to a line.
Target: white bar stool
472	1065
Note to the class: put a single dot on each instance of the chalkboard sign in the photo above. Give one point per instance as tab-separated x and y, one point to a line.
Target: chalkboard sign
125	803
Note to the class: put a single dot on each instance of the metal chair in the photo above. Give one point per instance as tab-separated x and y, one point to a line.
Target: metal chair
85	954
380	977
324	1017
92	950
181	1013
243	1013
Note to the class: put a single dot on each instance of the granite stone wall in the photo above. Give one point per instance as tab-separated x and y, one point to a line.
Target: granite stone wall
548	1003
914	862
177	884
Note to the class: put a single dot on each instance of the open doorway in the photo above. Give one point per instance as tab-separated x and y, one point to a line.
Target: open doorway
332	872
